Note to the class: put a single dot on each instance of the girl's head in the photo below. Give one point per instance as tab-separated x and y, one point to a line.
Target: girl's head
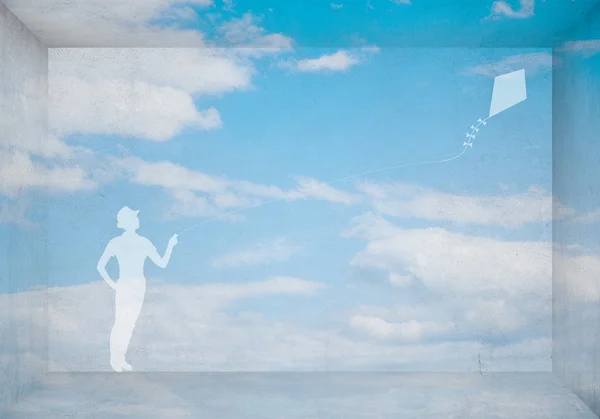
127	219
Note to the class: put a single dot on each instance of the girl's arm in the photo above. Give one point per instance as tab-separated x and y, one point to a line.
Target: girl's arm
162	262
102	266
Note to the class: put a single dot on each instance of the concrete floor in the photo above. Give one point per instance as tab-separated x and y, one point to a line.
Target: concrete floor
302	395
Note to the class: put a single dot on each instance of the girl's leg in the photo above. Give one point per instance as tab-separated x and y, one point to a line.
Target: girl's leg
128	303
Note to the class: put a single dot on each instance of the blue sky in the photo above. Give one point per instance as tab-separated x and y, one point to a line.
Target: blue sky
399	23
392	106
428	261
323	127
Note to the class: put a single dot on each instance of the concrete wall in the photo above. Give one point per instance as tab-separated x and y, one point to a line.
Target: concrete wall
23	129
576	183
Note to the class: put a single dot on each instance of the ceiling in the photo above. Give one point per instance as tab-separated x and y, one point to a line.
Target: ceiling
308	23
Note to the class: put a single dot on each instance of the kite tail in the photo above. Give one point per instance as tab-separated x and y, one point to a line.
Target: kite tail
466	145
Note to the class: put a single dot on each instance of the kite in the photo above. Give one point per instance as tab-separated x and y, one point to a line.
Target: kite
509	89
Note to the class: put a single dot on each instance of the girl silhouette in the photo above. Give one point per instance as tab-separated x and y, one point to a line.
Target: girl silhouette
131	251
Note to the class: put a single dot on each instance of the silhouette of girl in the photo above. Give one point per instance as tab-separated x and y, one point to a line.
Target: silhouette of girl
131	251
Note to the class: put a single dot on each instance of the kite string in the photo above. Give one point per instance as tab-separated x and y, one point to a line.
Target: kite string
399	166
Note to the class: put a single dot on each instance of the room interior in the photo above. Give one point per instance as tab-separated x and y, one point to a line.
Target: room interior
35	38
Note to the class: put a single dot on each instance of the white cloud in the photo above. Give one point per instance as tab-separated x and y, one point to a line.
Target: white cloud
173	176
229	5
50	147
401	1
457	317
133	109
533	63
182	14
247	36
373	325
337	6
587	48
147	93
486	315
175	323
188	204
502	9
453	286
197	328
19	172
201	71
150	92
97	23
263	252
399	280
284	285
508	210
339	61
29	157
26	102
589	217
448	262
409	331
219	193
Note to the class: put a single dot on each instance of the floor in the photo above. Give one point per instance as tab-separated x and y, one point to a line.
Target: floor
302	395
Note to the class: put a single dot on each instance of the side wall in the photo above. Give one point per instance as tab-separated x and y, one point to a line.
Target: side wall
576	174
23	270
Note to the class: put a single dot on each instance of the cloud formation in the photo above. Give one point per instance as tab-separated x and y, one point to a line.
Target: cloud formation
453	287
198	328
339	61
450	262
407	331
586	48
19	172
246	35
202	195
98	23
144	93
505	210
502	8
533	63
588	217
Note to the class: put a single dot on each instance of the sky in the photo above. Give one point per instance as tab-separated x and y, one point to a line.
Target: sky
439	267
311	23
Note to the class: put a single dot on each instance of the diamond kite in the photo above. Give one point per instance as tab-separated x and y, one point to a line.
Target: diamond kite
509	89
